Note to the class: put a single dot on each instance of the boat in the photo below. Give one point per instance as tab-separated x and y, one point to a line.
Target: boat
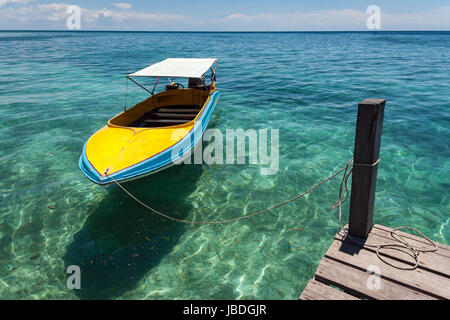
159	131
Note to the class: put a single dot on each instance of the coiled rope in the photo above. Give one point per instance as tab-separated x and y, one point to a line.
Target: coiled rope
401	241
343	195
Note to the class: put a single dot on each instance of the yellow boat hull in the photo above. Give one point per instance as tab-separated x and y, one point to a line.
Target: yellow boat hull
125	152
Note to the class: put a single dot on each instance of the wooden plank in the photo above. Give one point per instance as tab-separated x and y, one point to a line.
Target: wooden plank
419	279
316	290
369	125
359	283
176	115
165	121
430	261
418	239
165	109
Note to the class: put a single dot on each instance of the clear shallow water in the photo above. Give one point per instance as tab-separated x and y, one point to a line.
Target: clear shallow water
58	88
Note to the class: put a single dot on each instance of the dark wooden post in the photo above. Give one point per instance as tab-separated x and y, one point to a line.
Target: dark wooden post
367	150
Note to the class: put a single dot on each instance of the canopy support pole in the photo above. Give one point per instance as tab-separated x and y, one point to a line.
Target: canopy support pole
213	77
155	85
126	98
141	85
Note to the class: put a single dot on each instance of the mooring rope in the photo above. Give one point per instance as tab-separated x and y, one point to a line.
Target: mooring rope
343	195
234	219
401	241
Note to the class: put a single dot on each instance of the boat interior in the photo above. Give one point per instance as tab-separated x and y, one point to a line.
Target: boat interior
167	116
174	106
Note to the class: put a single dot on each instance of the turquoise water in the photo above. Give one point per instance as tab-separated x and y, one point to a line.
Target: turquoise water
58	88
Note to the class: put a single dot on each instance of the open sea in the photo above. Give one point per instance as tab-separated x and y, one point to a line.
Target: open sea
57	88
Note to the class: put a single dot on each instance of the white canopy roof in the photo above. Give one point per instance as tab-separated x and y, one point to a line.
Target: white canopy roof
177	68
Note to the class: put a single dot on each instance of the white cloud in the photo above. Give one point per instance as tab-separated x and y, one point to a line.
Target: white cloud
238	16
434	19
54	15
122	5
347	19
5	2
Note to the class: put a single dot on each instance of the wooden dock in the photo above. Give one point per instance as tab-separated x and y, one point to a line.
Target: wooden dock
351	268
350	271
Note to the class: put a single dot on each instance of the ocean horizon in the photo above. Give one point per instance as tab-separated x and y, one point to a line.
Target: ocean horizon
229	31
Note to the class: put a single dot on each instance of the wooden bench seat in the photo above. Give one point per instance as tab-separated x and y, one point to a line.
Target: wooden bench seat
177	121
188	116
177	110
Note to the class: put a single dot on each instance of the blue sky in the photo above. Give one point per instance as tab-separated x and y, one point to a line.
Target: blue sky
235	15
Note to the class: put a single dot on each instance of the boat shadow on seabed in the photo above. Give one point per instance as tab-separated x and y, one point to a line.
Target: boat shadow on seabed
121	241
